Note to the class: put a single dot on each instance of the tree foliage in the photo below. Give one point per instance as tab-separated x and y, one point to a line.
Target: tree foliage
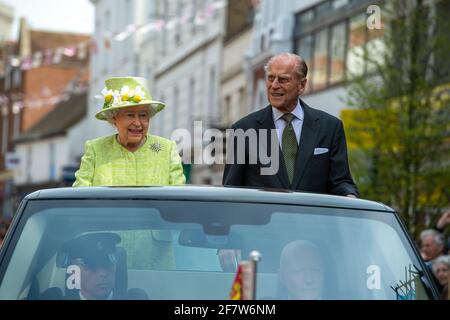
398	129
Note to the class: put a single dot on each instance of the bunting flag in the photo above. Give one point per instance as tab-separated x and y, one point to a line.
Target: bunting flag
79	50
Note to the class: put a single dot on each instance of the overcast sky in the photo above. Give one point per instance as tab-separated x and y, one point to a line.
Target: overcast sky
55	15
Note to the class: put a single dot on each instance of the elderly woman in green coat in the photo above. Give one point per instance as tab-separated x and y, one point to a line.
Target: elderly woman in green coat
131	157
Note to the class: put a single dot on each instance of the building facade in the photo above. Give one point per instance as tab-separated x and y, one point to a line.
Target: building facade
40	70
328	34
6	22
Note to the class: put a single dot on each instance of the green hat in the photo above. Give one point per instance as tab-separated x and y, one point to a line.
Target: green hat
124	92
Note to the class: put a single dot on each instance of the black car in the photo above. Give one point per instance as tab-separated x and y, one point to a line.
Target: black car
186	242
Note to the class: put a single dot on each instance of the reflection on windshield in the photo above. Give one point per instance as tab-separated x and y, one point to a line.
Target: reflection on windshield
172	250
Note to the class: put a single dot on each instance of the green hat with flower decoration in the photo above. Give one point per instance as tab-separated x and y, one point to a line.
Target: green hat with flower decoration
124	92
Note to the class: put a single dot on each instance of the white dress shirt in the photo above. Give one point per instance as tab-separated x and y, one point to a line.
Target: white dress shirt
297	122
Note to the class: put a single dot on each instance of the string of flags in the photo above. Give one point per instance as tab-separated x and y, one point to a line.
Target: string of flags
48	98
80	50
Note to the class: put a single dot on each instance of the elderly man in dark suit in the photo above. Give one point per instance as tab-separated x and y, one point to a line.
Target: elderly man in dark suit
310	149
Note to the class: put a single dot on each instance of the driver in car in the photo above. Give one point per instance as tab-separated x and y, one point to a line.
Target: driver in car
95	256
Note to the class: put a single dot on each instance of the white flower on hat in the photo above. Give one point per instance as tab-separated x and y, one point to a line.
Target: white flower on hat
108	95
139	94
116	96
126	93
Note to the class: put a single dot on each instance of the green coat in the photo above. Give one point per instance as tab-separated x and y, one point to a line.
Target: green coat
107	163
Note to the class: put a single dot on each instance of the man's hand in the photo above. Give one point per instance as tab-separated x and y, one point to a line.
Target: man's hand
444	220
229	259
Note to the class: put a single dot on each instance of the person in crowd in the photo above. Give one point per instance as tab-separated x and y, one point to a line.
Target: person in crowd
441	271
131	157
432	244
311	144
302	271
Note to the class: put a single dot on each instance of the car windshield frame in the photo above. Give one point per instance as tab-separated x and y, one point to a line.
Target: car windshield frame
30	207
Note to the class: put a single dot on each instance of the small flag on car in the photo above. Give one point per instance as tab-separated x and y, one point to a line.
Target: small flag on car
236	289
244	284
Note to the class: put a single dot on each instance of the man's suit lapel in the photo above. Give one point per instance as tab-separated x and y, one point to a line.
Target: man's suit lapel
265	121
308	139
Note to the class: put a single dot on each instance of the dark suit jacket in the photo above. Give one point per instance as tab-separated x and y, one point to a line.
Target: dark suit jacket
322	173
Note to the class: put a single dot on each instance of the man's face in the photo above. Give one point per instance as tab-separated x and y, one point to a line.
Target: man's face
430	249
132	124
97	283
284	85
303	276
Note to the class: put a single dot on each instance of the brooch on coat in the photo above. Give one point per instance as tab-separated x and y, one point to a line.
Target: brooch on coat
156	147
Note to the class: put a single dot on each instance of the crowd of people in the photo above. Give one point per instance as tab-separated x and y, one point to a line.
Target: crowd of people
435	250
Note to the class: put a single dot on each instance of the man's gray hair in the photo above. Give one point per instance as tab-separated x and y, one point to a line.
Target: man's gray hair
301	68
437	236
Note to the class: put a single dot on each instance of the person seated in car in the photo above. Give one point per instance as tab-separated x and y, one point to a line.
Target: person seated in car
301	271
95	256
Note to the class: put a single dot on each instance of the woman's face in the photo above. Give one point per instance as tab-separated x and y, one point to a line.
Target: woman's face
442	272
132	124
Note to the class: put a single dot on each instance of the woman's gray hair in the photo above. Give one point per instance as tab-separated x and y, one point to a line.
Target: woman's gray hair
109	115
441	260
437	236
300	67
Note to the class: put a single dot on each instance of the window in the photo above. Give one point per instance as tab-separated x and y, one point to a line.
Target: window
357	38
320	61
305	49
331	37
337	57
306	18
323	9
340	3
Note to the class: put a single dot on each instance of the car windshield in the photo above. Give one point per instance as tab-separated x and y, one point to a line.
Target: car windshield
173	250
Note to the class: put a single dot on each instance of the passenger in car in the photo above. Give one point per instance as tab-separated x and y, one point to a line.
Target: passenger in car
132	157
301	272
